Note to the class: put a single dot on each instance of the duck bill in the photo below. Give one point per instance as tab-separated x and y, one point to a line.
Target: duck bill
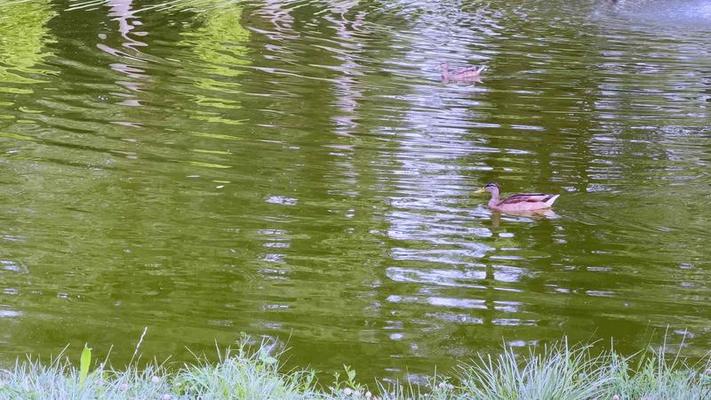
481	190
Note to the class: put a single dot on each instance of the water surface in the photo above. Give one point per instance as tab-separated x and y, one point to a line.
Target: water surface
298	171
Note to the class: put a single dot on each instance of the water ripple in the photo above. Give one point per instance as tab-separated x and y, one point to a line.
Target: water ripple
298	169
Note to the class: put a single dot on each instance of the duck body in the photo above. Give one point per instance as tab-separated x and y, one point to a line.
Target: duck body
519	201
470	74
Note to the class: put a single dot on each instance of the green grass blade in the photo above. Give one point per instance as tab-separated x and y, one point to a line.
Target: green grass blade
84	364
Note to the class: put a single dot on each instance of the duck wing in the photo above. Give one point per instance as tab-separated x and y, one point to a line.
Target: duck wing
468	73
527	198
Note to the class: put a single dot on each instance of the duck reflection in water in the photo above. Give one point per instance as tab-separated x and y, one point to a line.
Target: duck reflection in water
498	217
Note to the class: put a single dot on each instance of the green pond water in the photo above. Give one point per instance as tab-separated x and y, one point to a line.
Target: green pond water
298	171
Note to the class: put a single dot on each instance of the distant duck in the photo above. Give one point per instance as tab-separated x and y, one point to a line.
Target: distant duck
470	74
518	202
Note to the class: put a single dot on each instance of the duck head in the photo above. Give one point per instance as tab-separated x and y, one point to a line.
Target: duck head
492	188
444	67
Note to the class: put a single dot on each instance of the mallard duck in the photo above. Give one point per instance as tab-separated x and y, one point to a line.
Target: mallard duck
471	74
519	201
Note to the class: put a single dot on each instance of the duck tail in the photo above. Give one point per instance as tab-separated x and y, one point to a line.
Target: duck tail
552	200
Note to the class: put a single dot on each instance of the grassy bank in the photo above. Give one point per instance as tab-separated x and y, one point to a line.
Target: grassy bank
559	372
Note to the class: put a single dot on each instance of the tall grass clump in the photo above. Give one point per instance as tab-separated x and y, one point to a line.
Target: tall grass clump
245	373
254	372
559	372
59	380
653	376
